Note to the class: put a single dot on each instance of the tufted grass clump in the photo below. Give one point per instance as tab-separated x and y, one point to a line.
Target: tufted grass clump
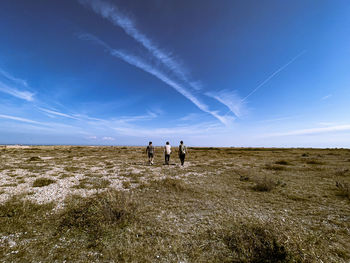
93	217
18	214
313	161
256	243
92	183
274	167
343	189
41	182
34	159
170	184
266	184
282	162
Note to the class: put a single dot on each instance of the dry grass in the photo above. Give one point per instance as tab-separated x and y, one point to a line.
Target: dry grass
92	183
266	184
344	189
41	182
257	243
203	212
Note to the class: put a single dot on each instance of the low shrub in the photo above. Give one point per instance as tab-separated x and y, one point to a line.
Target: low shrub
314	162
126	184
34	159
342	172
17	214
282	162
256	243
343	189
169	184
266	184
92	183
40	182
274	167
91	217
244	178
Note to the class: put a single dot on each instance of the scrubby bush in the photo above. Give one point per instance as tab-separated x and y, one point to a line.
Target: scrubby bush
91	217
266	184
274	167
282	162
244	178
314	162
256	243
170	184
342	172
18	214
92	183
34	159
40	182
343	189
126	184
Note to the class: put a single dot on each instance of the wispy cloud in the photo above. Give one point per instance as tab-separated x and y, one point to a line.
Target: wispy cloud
13	79
107	138
117	18
311	131
190	117
273	75
326	97
185	130
141	64
53	125
57	113
15	118
14	86
279	119
231	100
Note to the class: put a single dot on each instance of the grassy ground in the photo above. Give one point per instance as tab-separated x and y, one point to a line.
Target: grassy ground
105	204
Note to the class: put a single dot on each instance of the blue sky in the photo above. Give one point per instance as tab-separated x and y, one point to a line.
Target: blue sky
212	73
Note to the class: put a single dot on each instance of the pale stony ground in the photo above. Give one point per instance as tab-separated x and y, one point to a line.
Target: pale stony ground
19	171
305	209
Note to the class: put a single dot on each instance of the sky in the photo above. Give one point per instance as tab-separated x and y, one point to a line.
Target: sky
241	73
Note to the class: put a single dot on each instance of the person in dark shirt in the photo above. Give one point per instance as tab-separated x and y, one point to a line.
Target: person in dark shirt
182	152
150	153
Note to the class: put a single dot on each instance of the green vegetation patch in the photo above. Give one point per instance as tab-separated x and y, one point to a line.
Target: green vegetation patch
314	162
266	184
343	189
40	182
34	159
256	243
17	215
282	162
92	183
170	184
9	185
91	218
275	167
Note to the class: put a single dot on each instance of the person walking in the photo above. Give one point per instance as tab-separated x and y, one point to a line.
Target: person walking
150	153
167	152
182	152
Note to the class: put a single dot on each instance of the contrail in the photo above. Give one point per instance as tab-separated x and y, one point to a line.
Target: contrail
141	64
117	18
274	74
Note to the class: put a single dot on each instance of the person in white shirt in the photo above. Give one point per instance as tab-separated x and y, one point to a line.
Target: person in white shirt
167	152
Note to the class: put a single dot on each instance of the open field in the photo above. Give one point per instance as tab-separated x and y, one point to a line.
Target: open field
105	204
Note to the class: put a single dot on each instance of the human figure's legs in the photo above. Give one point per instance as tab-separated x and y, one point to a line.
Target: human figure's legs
167	158
182	159
150	158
